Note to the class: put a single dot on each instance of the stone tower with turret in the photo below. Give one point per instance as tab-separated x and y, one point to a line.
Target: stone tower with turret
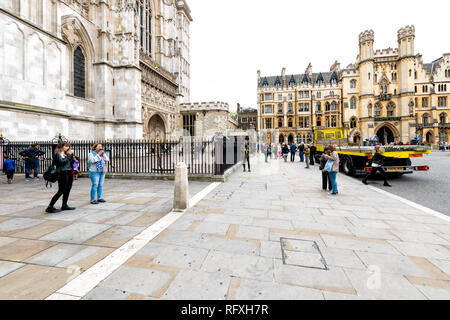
366	69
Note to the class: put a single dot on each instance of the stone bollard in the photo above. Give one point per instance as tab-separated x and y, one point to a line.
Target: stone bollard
181	190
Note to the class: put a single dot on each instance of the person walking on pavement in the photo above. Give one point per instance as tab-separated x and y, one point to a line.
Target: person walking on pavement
333	156
325	176
31	156
376	163
97	172
312	154
307	152
279	151
301	150
63	161
285	152
293	151
9	167
246	150
266	151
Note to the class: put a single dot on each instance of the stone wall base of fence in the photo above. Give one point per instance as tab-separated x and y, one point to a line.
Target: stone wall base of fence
171	177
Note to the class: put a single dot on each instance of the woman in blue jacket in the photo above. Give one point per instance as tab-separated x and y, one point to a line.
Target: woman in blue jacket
9	167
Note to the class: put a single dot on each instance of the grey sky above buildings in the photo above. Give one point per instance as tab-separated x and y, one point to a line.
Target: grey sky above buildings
231	40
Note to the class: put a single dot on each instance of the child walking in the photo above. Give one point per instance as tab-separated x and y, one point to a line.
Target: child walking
9	167
76	168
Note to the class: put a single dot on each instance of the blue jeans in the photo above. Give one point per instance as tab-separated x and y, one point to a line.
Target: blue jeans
332	176
302	156
97	179
31	164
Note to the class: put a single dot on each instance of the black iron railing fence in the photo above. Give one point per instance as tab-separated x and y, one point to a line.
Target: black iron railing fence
202	157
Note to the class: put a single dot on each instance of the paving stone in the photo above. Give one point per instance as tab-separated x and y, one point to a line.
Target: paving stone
320	227
337	213
368	223
245	247
98	216
182	257
114	237
68	215
392	264
243	266
76	233
247	212
212	228
132	207
183	223
330	280
102	293
422	237
108	206
86	257
272	223
261	290
359	245
410	226
373	233
146	220
442	228
54	255
434	293
385	287
32	282
137	280
124	218
17	224
227	218
341	258
41	230
415	249
444	265
8	267
253	233
22	249
271	249
197	285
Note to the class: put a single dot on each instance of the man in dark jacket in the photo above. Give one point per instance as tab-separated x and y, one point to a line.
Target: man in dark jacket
376	163
31	156
293	151
301	149
312	154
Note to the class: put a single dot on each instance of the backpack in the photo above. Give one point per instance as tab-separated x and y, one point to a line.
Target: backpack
51	175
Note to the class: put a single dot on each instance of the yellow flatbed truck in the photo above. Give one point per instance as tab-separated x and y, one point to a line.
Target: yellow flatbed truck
353	158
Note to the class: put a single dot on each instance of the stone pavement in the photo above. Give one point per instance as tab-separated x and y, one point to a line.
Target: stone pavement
40	253
229	246
268	234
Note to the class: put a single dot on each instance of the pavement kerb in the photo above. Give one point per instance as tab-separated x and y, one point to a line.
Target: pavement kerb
89	279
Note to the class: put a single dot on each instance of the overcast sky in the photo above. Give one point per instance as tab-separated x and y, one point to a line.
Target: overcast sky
231	40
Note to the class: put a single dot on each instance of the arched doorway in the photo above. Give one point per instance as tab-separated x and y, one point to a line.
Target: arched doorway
429	137
290	139
156	130
385	135
357	138
281	139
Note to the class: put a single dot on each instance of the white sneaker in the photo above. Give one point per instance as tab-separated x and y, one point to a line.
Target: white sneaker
27	180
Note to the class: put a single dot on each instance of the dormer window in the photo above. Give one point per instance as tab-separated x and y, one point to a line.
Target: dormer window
353	84
292	82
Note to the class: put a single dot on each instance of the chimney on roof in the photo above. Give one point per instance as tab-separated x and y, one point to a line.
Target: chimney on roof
238	107
309	70
259	76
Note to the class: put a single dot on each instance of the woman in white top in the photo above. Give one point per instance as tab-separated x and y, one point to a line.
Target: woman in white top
97	171
279	151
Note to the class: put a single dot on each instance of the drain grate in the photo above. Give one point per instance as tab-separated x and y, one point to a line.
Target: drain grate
302	253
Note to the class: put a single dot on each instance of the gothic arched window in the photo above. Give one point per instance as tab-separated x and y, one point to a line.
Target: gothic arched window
319	122
377	110
353	123
390	110
369	110
145	25
442	118
79	73
353	103
425	119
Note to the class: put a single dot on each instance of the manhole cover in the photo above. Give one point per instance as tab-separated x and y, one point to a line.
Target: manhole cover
302	253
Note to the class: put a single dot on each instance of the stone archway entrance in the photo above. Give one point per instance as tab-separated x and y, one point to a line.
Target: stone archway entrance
429	137
290	139
281	139
156	130
385	135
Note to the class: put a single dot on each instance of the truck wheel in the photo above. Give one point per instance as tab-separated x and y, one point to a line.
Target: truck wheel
347	166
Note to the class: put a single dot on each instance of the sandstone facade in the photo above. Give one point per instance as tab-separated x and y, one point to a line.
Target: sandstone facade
98	69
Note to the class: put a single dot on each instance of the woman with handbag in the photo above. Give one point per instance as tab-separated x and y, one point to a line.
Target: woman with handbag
325	177
332	167
97	172
63	162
